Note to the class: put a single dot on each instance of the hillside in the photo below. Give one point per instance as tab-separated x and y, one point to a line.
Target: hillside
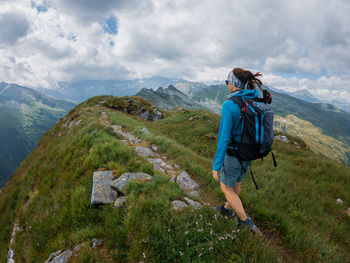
49	195
25	115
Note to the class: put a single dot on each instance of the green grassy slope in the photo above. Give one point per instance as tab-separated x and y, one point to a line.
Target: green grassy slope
25	115
295	206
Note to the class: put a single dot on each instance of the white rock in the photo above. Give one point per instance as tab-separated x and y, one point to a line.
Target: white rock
185	181
178	205
144	151
339	201
154	147
192	203
96	242
145	131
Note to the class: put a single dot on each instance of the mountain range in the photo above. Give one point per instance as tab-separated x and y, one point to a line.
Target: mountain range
82	90
25	115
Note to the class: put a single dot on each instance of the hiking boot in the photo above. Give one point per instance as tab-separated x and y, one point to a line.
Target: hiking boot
224	211
249	224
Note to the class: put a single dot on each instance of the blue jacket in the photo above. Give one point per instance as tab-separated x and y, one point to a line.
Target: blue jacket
229	125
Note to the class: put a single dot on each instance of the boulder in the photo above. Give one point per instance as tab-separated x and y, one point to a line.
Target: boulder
61	258
192	203
96	242
119	201
144	151
122	181
102	193
145	131
144	115
158	168
173	178
185	182
339	201
178	205
154	147
157	115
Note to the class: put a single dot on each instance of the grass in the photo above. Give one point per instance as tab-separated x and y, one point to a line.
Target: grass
296	200
57	177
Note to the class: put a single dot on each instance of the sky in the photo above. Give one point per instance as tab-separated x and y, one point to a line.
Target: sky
295	44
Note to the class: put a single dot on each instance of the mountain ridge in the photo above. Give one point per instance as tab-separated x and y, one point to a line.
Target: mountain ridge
50	192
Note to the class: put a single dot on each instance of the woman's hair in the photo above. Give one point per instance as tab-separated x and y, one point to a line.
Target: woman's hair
248	78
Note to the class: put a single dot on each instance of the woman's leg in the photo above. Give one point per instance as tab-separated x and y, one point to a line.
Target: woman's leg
237	189
234	201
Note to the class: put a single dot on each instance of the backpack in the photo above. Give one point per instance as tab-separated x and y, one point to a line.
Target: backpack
257	129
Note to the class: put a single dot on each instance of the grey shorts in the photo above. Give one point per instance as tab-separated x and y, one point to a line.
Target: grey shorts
232	171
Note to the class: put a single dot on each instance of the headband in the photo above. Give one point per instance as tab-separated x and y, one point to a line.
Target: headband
235	81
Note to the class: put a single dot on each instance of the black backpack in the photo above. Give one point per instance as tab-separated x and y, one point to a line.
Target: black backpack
257	131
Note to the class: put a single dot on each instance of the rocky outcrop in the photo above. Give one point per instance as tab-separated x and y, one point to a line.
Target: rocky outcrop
192	203
122	181
102	192
144	151
282	138
60	258
178	205
96	242
136	106
185	182
119	201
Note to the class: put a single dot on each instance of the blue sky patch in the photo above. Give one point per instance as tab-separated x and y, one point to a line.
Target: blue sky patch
110	26
40	8
112	44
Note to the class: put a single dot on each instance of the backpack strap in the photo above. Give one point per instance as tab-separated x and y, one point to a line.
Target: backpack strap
274	159
245	170
238	100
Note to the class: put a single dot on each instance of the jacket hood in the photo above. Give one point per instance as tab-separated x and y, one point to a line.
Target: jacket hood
246	93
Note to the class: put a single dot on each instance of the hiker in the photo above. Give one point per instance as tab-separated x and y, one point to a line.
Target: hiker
240	83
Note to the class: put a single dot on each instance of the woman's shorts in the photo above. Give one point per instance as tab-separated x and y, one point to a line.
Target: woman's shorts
232	171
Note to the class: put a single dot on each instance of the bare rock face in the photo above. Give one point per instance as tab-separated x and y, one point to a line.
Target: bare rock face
121	182
178	205
96	242
60	258
120	201
144	151
192	203
185	182
102	192
282	138
145	131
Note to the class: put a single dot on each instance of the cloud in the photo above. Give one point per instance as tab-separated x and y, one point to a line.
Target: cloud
13	26
293	45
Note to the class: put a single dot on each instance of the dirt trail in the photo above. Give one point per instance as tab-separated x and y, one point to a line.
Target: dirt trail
207	197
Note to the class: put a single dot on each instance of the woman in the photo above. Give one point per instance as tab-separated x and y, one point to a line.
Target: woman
240	83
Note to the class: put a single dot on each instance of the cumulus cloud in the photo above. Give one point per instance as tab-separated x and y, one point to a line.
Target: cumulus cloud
291	43
13	26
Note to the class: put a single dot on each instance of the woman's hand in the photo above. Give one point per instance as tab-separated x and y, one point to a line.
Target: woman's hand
215	175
